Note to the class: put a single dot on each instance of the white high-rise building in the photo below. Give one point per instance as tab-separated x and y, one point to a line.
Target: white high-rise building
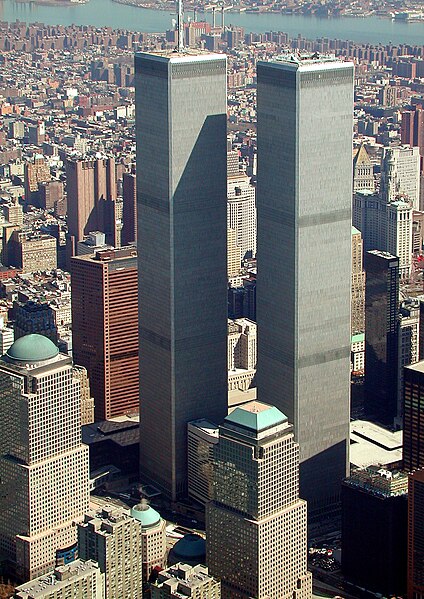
400	174
399	235
44	474
385	226
241	212
256	523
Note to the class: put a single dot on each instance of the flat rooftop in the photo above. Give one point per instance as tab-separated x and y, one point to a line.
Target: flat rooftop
187	55
308	61
372	444
417	367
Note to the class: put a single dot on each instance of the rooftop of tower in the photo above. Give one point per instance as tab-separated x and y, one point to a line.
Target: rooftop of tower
256	416
187	55
307	61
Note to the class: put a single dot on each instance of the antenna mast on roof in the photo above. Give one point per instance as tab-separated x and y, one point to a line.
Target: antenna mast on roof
180	26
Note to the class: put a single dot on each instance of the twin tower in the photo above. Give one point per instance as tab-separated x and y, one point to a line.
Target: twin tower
304	128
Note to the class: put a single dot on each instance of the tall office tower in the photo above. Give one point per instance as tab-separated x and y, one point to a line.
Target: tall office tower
399	235
256	523
386	226
412	128
358	285
241	212
91	192
129	195
104	328
408	347
43	464
233	254
415	576
183	581
305	109
400	174
126	546
413	417
202	435
182	174
374	507
381	340
369	217
363	171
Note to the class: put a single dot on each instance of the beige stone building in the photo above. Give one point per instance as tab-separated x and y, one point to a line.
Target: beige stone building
233	254
77	580
256	524
87	402
31	253
127	546
358	285
182	581
241	353
43	464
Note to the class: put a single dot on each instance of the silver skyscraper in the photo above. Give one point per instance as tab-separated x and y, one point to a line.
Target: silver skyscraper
305	107
181	169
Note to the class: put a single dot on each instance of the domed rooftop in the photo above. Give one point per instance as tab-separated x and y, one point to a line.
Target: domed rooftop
145	514
32	348
190	549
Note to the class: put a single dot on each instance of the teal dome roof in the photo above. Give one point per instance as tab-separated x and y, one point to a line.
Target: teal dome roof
32	348
146	515
190	547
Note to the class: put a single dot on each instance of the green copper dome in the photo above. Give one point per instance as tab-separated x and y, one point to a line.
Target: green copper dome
32	348
145	514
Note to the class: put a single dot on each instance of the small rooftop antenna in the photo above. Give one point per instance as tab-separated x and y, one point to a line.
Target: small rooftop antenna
180	26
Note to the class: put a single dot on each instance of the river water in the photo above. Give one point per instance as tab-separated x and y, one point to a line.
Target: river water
108	13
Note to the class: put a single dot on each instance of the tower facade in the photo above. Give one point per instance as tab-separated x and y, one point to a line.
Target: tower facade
363	171
381	341
181	169
413	414
127	546
358	284
415	582
43	464
256	523
91	191
241	206
304	197
129	220
104	328
400	174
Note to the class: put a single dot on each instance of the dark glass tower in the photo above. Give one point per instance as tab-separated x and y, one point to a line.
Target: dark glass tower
381	339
